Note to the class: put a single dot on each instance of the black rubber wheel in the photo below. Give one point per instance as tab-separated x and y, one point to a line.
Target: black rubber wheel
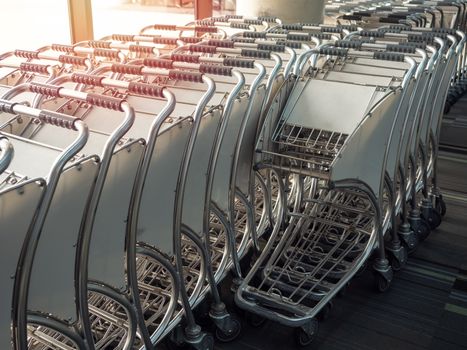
398	264
227	336
422	230
440	205
434	219
254	320
208	342
325	311
304	338
382	284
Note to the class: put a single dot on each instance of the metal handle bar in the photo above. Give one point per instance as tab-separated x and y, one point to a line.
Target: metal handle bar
181	29
78	48
260	54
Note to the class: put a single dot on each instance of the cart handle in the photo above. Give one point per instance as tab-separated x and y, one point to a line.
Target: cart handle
226	61
97	100
134	87
6	153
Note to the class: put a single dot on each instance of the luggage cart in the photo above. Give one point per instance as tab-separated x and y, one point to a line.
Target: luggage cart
399	135
431	192
31	160
65	294
326	243
275	80
409	171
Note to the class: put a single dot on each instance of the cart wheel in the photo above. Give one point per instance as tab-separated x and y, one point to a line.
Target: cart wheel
422	230
398	264
305	338
434	219
410	243
440	205
231	332
207	343
254	320
382	284
325	311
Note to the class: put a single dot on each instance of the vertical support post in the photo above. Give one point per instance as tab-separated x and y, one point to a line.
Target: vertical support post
203	9
80	14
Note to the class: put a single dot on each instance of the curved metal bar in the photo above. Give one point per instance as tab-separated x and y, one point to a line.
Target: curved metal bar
236	158
6	153
133	214
26	263
58	326
144	250
181	184
109	292
211	175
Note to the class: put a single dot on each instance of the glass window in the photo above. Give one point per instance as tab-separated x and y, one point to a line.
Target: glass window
223	7
30	24
130	16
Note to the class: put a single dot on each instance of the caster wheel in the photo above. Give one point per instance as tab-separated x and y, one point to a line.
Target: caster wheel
433	219
422	230
304	338
254	320
231	332
325	311
410	244
207	343
382	284
440	205
398	264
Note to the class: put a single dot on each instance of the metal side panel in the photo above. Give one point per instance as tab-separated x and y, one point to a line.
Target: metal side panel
17	208
362	156
221	185
273	112
141	105
358	78
330	106
107	248
31	159
192	94
60	138
195	191
247	147
155	223
52	286
380	63
372	70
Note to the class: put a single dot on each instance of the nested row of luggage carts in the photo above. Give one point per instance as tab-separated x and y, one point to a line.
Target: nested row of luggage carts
139	170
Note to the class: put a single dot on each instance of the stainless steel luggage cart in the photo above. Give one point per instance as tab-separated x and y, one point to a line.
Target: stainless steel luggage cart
61	167
409	172
399	135
326	243
274	81
62	305
149	260
431	192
